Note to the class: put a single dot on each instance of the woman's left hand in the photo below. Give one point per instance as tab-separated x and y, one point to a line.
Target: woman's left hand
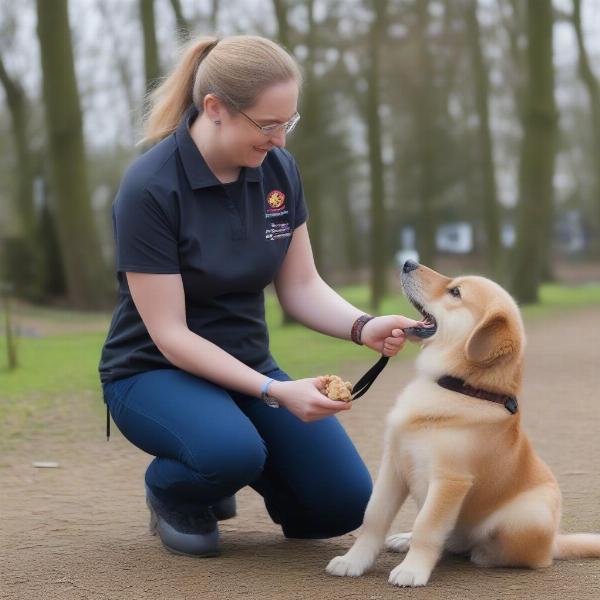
384	334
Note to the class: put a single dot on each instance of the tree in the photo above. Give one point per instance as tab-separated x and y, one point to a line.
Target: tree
593	89
88	282
425	138
486	151
151	60
183	26
119	56
306	141
378	257
283	26
536	171
24	168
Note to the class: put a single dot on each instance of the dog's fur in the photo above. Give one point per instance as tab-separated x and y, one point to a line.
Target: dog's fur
480	488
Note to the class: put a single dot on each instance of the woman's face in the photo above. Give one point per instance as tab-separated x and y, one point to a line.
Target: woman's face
242	141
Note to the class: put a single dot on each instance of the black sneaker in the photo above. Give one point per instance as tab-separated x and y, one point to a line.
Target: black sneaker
194	535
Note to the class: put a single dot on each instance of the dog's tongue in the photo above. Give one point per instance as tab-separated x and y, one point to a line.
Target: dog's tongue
419	332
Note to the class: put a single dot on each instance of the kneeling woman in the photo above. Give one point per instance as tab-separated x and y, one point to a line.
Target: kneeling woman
203	222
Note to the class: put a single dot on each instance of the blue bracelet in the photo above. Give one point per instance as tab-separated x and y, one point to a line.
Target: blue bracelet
265	387
264	394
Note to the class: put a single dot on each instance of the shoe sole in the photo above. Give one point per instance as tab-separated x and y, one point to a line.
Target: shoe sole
154	530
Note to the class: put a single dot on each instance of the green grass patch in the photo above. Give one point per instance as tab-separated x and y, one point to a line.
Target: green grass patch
554	297
54	364
63	364
50	369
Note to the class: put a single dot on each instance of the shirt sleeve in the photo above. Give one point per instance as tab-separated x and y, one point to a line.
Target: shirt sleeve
301	210
145	237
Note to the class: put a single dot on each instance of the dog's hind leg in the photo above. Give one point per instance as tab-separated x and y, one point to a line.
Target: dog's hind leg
388	495
399	542
529	547
521	533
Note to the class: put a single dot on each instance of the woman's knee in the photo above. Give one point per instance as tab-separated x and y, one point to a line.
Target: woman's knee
346	512
232	464
200	426
333	513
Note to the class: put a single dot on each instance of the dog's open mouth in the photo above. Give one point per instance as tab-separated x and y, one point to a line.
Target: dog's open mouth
429	326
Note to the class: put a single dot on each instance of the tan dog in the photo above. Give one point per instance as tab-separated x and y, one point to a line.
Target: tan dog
458	450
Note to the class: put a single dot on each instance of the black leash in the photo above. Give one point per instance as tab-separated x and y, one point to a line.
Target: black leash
365	382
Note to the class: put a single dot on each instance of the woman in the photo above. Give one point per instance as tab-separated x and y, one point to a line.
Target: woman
203	222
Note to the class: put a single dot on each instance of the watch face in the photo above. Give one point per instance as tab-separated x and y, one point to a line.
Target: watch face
270	401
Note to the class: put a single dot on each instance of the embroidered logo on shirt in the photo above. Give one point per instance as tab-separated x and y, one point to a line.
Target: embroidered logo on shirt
276	200
277	231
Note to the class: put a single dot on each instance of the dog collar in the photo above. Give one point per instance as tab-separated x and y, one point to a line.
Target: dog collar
458	385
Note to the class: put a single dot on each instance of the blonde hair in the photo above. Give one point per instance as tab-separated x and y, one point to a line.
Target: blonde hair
236	69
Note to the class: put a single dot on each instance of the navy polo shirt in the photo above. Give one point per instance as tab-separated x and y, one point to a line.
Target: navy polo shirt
172	215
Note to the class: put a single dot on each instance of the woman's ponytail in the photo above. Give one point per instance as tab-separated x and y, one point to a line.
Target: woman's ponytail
168	102
239	69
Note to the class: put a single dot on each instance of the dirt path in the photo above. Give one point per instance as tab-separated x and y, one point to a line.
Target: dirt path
80	531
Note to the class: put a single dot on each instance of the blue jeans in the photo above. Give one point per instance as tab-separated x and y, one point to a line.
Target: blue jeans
210	442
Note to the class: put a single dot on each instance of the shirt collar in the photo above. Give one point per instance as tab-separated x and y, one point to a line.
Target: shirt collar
197	171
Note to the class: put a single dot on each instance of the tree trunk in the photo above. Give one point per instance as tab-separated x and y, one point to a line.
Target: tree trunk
593	88
378	255
88	284
151	61
306	142
17	106
11	344
515	31
491	210
537	157
350	233
121	62
181	23
24	205
283	27
426	221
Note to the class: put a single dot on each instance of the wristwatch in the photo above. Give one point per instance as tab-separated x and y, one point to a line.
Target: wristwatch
264	394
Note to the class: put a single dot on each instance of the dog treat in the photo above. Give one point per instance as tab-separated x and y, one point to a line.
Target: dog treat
336	389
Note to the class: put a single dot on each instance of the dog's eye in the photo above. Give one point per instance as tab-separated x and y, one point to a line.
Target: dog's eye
455	291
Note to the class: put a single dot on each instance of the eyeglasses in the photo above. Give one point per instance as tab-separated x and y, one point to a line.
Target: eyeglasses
269	130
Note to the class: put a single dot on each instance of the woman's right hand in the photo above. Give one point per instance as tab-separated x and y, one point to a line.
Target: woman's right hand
305	399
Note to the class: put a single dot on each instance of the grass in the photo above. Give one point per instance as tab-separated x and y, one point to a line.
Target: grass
555	297
62	365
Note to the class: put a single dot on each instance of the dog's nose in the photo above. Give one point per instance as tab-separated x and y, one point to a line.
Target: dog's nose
409	265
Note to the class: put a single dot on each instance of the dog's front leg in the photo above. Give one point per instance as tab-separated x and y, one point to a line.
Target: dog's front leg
433	524
388	495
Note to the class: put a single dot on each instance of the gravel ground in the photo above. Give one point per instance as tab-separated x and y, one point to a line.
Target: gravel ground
80	530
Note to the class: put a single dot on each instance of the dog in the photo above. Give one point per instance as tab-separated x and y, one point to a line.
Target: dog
453	441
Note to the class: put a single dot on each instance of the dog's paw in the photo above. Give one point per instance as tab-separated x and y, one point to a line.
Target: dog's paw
405	576
342	566
400	542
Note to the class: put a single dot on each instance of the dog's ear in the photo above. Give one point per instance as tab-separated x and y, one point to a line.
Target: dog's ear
493	338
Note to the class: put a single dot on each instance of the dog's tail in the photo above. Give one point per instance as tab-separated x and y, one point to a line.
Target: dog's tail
577	545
